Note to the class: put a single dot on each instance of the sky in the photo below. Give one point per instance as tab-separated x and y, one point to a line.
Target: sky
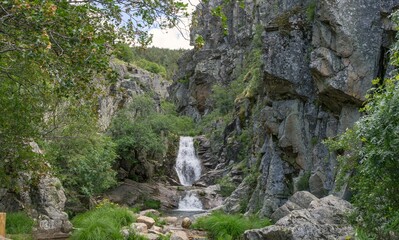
173	38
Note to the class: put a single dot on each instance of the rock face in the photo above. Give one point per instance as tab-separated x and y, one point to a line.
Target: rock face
316	60
132	81
323	219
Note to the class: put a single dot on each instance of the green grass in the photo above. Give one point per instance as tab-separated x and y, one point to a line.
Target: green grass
18	223
221	226
102	223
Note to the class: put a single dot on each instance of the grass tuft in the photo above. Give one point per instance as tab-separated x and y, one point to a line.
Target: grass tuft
19	223
102	223
221	226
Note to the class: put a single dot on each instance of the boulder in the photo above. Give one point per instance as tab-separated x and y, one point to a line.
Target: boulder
179	235
324	219
186	223
146	220
299	200
169	220
139	227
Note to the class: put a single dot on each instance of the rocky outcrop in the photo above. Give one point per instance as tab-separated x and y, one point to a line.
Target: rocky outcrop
323	219
316	60
131	81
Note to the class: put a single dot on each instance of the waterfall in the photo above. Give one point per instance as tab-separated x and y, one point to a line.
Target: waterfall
190	202
188	166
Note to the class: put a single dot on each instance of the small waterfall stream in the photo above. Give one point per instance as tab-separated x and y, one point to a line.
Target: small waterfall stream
188	168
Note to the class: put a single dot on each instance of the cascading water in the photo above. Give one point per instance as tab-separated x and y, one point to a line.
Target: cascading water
190	202
188	168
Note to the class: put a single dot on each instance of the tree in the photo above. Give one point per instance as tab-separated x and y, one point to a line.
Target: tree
51	53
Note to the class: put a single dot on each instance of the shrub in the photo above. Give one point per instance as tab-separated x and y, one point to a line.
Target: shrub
18	223
102	223
221	226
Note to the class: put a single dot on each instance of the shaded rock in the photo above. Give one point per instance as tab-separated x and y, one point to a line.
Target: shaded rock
146	220
179	235
324	219
186	223
139	227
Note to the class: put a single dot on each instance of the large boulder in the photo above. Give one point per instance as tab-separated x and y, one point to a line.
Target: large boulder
324	219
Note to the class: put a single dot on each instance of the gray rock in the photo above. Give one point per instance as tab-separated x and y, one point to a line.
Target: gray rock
179	235
324	219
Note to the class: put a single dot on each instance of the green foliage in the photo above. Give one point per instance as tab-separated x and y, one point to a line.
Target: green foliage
142	130
124	52
151	67
18	223
303	182
218	12
152	204
199	41
102	223
52	54
82	157
370	153
311	10
165	59
221	226
226	186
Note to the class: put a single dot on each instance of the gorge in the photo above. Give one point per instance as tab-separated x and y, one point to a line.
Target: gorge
283	110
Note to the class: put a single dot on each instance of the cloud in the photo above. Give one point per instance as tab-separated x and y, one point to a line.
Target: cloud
173	38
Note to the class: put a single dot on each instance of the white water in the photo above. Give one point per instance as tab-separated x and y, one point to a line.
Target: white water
190	202
188	166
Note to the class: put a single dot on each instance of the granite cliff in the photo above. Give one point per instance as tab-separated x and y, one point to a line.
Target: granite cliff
305	67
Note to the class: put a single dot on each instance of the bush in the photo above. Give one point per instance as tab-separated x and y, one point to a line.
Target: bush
102	223
18	223
221	226
151	67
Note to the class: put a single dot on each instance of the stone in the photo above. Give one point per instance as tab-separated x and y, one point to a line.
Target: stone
146	220
324	219
186	223
151	236
139	227
151	212
169	220
156	229
302	198
125	232
179	235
